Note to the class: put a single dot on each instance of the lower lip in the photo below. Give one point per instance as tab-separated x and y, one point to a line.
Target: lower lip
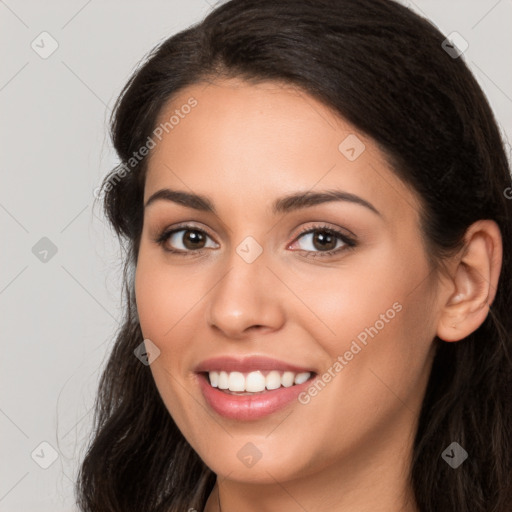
249	407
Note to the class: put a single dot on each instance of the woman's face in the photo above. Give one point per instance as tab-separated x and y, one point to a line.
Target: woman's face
246	282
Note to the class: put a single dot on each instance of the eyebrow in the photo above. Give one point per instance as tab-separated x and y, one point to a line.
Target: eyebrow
284	204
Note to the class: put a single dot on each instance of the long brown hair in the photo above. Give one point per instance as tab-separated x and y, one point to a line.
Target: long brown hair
384	69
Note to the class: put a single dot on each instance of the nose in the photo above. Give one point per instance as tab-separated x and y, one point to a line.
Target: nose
246	300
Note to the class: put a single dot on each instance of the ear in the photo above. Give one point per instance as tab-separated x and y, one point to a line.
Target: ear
474	280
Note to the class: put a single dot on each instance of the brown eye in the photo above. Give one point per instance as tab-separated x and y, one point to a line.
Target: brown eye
193	239
185	239
322	241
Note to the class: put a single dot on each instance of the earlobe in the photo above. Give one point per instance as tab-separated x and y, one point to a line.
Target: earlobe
474	282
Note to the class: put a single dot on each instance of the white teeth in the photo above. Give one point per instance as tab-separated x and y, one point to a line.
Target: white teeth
273	380
223	380
214	379
236	381
256	382
301	377
287	379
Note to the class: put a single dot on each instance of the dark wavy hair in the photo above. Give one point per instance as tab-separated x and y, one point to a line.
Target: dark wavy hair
383	68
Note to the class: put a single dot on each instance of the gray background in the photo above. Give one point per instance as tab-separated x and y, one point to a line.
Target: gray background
60	311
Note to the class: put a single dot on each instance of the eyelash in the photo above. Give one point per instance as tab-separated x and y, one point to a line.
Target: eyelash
349	242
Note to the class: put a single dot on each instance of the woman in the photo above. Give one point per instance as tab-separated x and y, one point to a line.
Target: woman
318	273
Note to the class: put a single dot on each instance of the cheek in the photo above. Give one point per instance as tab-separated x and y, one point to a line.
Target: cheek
168	298
344	304
163	300
377	319
164	295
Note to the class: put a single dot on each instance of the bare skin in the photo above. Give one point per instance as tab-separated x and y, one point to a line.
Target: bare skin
349	448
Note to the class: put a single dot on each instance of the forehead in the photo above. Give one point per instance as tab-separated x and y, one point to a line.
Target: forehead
263	141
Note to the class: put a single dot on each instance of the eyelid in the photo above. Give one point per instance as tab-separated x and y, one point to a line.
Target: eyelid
325	226
168	230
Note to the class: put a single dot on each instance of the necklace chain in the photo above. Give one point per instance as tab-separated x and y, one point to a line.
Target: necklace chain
218	498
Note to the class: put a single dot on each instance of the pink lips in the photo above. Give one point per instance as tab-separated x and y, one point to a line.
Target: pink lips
247	364
248	407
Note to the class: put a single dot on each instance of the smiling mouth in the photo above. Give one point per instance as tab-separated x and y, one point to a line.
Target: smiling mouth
255	382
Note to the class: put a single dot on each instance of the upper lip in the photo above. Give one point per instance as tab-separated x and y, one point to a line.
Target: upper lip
247	364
